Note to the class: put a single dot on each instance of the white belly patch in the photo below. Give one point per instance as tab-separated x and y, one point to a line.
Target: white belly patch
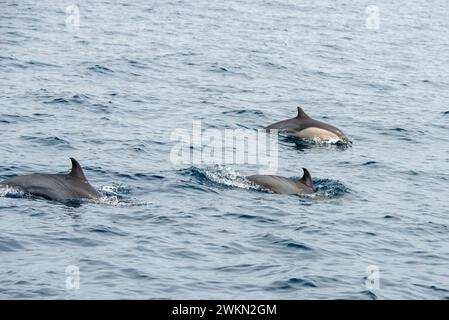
313	133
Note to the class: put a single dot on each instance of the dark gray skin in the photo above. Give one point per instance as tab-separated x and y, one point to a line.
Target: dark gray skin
58	187
304	127
282	185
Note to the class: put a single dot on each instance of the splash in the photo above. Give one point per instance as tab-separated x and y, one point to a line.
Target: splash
303	143
220	176
118	196
327	188
11	192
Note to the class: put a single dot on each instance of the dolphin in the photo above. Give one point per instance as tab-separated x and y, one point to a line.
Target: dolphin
58	187
282	185
302	126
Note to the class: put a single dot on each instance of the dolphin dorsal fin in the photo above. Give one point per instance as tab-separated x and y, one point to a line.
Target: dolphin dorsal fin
307	178
301	114
77	171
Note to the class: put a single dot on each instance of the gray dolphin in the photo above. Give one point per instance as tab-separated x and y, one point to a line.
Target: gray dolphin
303	126
59	187
282	185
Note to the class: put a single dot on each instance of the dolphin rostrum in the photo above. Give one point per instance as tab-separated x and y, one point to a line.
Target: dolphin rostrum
59	187
302	126
278	184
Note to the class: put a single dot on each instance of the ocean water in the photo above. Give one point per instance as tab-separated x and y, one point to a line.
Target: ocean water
111	91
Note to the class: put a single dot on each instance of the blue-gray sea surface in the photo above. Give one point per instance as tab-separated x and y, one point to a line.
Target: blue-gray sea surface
111	93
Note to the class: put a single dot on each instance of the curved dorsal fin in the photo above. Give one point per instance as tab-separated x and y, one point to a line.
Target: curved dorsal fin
307	178
301	114
77	171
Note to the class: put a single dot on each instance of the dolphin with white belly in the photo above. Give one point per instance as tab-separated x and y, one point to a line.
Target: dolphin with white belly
283	185
302	126
59	187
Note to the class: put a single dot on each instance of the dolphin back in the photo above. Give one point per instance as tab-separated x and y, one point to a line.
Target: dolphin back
52	187
48	186
59	187
277	184
283	185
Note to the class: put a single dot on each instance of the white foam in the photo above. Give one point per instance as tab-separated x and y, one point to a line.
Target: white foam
10	191
229	177
111	196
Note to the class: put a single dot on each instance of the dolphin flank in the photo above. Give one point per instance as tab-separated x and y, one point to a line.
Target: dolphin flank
302	126
282	185
59	187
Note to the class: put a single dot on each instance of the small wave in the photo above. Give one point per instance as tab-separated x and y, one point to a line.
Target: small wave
14	118
41	64
57	100
100	69
238	112
256	218
292	284
399	133
80	241
235	71
137	64
216	68
288	243
18	65
432	287
76	98
106	230
369	163
48	141
8	244
5	58
369	294
398	129
274	65
136	274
